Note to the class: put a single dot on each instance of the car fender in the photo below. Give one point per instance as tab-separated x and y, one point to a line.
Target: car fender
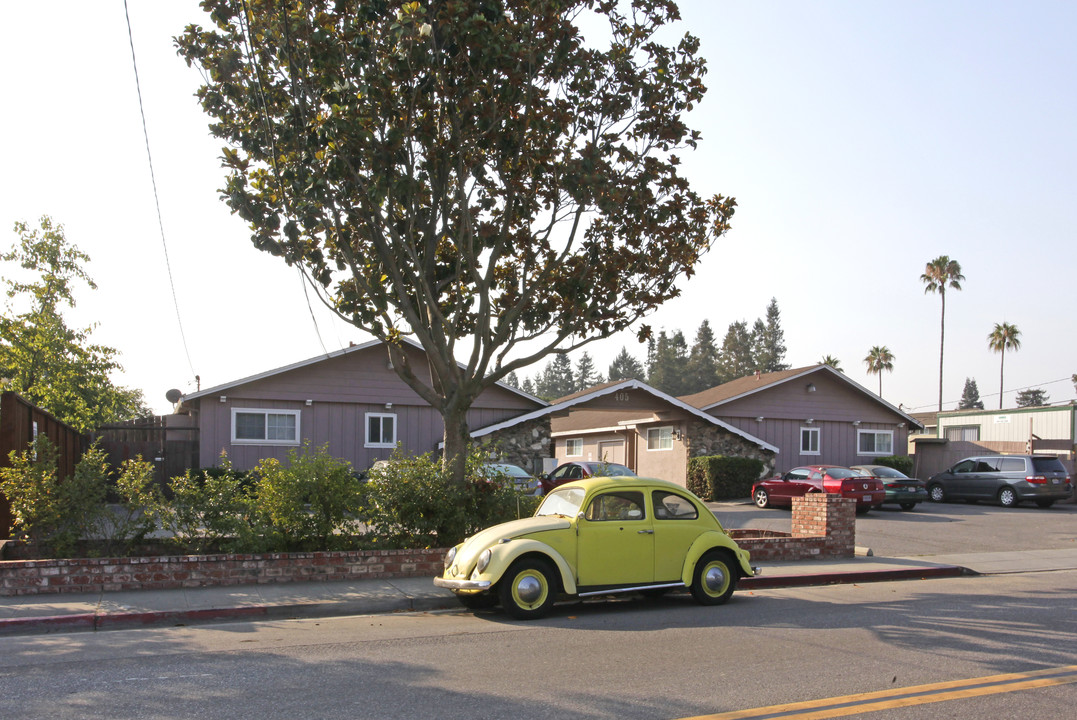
709	541
505	554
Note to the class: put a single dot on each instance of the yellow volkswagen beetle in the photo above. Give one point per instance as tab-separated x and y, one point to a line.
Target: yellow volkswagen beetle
596	537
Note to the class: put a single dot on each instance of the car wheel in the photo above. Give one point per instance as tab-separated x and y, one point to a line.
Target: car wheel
936	493
761	498
1044	503
1007	497
908	506
528	589
479	601
715	578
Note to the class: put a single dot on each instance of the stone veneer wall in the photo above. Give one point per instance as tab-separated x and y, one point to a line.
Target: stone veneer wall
706	439
524	444
824	526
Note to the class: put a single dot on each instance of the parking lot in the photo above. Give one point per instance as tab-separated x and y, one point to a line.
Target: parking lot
933	528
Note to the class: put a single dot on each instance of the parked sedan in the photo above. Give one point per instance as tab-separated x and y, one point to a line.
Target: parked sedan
597	537
514	475
583	469
780	490
901	489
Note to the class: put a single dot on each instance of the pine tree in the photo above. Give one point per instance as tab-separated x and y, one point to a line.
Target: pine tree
626	367
702	361
736	360
667	371
1035	397
970	397
586	376
769	341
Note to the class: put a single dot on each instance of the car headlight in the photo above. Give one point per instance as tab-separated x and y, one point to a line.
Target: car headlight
484	561
449	557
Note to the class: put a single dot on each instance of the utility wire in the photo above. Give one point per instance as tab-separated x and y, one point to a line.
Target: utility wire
156	198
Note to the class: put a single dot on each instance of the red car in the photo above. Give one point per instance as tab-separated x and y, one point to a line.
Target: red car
780	490
583	469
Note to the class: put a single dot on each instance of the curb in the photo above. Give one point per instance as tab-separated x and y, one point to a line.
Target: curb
763	582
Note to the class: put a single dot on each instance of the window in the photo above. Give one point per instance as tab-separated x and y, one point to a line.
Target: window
874	442
660	438
809	441
265	427
622	505
574	447
380	430
669	506
968	433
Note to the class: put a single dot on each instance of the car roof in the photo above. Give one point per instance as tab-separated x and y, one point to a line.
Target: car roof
600	483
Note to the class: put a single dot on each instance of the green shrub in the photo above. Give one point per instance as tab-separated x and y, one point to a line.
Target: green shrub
309	503
411	502
901	463
717	477
211	512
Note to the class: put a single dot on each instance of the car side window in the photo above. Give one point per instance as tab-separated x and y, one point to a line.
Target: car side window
796	475
1012	465
984	467
965	466
670	506
618	505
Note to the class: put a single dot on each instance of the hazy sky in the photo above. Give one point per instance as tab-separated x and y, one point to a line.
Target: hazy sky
861	140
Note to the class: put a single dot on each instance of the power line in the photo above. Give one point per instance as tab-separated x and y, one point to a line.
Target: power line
156	198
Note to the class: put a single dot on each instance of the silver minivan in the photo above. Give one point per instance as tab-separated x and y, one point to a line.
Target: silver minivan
1009	479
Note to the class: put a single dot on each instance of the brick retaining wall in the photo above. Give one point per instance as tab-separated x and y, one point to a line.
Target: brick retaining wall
824	526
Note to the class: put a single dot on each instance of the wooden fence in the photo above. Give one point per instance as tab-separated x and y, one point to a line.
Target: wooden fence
20	423
170	442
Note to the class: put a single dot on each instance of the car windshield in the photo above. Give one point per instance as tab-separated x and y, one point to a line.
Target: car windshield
562	501
885	472
611	470
509	470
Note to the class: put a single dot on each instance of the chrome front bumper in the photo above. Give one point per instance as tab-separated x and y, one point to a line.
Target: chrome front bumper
461	584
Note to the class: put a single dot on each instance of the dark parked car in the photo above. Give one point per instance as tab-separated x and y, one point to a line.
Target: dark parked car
521	480
1009	479
901	489
780	490
581	470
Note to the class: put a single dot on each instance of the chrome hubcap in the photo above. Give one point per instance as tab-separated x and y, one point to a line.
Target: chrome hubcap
714	578
528	589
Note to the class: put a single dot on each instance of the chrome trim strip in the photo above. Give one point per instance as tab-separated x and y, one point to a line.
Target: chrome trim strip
611	591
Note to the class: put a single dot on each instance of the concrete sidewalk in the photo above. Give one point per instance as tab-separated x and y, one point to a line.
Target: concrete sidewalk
152	608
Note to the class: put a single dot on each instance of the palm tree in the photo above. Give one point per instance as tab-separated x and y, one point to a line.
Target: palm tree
940	273
1004	337
836	364
879	359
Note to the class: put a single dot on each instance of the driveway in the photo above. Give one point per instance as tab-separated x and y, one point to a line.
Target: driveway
933	528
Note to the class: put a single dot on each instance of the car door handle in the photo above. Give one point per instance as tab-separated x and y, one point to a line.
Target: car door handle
645	532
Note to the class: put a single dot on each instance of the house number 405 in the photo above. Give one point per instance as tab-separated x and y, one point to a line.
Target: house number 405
621	397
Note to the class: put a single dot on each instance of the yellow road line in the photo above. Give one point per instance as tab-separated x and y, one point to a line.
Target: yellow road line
904	697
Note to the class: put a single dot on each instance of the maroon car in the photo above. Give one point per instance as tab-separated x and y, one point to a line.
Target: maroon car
583	469
868	492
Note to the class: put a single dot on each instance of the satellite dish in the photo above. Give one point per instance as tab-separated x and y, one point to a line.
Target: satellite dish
173	396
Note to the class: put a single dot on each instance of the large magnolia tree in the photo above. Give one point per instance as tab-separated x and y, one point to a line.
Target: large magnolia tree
475	174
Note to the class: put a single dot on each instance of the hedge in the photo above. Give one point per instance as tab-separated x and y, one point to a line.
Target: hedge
717	477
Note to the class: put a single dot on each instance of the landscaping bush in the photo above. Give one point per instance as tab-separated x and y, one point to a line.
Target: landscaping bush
57	515
901	463
411	502
717	477
211	512
310	503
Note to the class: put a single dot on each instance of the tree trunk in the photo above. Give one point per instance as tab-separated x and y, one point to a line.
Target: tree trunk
942	342
1001	374
457	438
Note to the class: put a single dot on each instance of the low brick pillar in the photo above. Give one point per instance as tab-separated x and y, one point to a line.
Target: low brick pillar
827	515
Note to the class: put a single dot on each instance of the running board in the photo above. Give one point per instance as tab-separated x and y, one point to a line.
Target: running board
636	588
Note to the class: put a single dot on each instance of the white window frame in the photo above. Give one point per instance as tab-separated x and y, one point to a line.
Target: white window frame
383	443
876	433
265	413
663	439
815	433
574	447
